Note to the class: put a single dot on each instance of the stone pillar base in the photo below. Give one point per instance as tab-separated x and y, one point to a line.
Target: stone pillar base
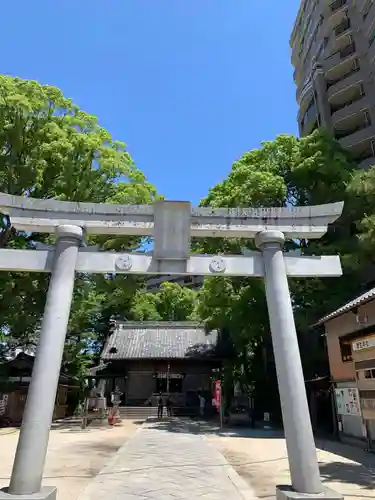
46	493
287	493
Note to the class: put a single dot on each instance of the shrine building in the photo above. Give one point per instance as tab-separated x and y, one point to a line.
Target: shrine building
142	359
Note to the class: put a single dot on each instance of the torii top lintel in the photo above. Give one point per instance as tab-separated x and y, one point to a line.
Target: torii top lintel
43	216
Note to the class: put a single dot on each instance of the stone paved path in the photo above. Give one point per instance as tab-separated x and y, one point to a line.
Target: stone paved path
166	461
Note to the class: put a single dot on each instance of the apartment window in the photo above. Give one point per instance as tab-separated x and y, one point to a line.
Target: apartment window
369	374
320	50
346	351
309	24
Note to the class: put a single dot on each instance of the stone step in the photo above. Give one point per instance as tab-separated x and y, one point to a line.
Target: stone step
134	412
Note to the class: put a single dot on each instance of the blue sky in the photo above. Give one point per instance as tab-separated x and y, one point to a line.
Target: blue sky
189	85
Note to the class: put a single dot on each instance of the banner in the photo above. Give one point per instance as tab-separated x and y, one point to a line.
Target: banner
218	394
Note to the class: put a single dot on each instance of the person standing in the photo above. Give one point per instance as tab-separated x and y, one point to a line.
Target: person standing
160	406
168	404
116	400
202	405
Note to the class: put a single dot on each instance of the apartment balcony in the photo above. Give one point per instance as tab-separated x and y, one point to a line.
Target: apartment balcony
343	37
348	109
358	134
336	11
339	57
343	28
364	153
366	163
340	63
352	77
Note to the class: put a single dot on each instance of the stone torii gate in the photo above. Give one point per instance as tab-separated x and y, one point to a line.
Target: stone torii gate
171	224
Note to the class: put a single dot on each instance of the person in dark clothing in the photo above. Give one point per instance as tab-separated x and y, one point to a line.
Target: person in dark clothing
160	406
168	404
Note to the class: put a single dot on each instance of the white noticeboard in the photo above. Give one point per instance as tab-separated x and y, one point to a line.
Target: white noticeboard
347	402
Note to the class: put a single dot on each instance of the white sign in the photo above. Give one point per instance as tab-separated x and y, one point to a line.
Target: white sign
359	345
347	402
170	375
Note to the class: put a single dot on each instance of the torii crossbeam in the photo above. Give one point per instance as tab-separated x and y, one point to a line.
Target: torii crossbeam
172	225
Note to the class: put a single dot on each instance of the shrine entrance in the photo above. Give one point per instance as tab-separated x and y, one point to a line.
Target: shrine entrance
172	225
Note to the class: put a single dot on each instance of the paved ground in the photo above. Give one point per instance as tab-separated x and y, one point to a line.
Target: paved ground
260	457
168	460
182	458
74	456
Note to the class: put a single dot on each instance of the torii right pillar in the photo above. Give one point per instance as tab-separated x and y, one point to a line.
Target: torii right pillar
303	463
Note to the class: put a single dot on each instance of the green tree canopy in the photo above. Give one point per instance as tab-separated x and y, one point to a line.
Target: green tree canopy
171	302
49	148
289	172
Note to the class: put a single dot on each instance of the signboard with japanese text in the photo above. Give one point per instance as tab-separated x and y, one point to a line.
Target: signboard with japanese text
367	343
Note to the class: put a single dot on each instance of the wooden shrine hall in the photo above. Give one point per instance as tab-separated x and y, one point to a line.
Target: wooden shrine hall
142	359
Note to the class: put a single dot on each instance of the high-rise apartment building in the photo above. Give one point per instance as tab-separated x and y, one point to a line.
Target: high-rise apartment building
333	53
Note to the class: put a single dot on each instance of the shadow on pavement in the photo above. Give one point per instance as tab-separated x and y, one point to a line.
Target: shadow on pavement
350	452
348	473
181	425
188	426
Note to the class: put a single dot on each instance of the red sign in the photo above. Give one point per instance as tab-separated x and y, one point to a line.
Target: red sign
217	394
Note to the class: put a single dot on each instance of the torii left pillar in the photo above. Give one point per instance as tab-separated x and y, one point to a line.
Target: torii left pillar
26	479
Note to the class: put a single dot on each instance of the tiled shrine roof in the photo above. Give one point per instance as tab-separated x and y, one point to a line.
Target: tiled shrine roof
159	340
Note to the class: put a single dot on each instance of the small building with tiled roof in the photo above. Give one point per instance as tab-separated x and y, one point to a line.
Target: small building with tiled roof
15	377
145	358
350	334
